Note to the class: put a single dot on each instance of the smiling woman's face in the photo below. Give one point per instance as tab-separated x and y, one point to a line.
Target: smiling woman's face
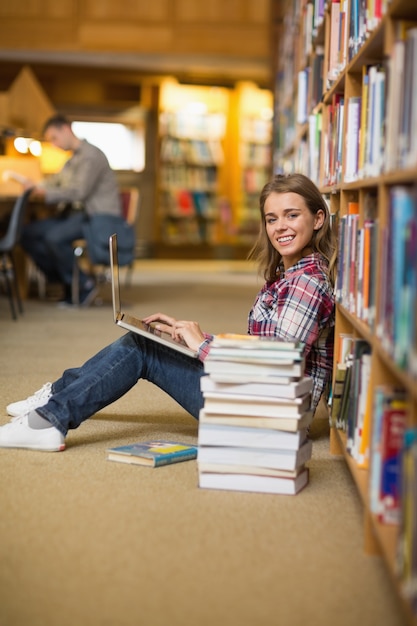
290	225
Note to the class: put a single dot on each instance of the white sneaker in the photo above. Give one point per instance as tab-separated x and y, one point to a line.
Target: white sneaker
18	434
38	399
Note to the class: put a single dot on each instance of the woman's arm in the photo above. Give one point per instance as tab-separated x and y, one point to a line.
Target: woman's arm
183	331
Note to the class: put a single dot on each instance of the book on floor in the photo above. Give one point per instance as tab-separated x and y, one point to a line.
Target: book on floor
254	483
153	453
249	342
283	422
222	435
221	468
236	378
268	457
292	389
289	368
244	404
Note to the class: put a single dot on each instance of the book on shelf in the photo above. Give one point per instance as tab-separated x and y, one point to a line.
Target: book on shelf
273	389
210	434
404	270
393	429
374	149
343	37
342	413
277	485
283	422
153	453
357	27
337	393
398	291
364	119
406	557
366	307
315	123
302	95
364	444
334	141
359	381
387	401
258	457
352	138
334	42
346	276
401	116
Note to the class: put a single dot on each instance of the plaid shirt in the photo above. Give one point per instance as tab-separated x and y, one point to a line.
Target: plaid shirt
298	306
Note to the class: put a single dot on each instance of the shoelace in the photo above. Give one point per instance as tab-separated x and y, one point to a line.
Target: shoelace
44	392
17	419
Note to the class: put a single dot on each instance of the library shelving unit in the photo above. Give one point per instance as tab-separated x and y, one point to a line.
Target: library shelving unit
214	158
253	119
345	114
192	128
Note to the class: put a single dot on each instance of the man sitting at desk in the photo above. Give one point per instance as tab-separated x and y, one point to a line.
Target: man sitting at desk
85	186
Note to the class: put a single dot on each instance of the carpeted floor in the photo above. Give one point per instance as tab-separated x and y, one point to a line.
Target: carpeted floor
87	542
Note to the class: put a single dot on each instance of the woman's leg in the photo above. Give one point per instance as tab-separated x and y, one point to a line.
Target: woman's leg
107	376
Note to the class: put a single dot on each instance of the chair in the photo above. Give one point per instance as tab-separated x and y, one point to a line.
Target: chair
8	244
130	200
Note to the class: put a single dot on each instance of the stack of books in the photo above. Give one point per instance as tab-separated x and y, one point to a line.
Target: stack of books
253	428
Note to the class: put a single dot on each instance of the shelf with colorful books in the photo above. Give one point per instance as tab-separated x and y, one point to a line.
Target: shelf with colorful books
252	116
192	130
363	156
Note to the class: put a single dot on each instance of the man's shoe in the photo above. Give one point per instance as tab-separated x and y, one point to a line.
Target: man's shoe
18	434
38	399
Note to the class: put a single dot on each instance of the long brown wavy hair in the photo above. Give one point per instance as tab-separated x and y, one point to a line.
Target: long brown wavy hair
322	241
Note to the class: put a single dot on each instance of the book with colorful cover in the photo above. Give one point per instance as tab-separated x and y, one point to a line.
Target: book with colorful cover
386	399
153	453
393	429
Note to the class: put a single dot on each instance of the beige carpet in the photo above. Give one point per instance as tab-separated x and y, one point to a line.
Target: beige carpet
87	542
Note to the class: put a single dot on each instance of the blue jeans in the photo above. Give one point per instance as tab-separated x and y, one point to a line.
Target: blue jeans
108	375
49	243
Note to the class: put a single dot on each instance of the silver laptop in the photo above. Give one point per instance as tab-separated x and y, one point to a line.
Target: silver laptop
129	322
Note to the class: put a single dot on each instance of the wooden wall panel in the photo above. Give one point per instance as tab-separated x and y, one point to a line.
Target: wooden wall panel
153	10
222	39
237	27
222	11
25	9
45	34
121	36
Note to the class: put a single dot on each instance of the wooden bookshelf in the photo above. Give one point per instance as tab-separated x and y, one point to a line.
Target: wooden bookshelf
215	157
373	54
192	131
250	162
